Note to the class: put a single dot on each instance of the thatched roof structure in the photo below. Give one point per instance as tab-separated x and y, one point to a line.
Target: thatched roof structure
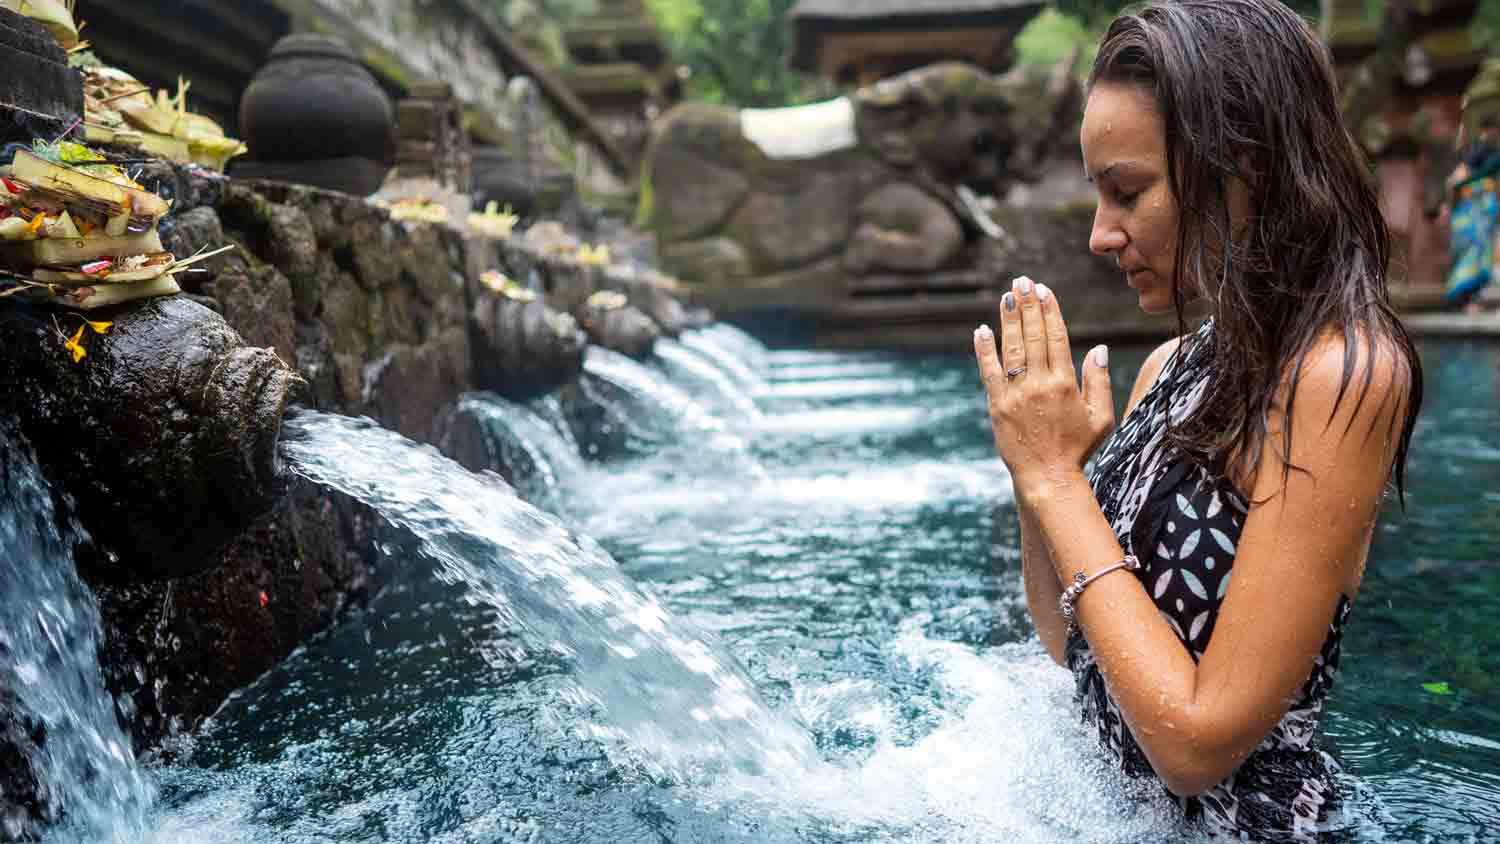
975	30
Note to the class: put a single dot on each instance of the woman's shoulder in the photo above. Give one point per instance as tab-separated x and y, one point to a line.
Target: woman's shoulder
1340	364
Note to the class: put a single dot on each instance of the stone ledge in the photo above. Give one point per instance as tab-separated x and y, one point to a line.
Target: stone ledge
1453	325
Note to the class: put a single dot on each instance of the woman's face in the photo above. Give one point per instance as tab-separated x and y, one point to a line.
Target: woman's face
1124	155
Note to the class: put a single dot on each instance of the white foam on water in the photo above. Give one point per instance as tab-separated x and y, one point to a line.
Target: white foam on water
840	423
843	388
1008	760
625	497
826	371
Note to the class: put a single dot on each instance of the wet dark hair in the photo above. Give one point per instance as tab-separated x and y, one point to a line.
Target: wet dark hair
1246	91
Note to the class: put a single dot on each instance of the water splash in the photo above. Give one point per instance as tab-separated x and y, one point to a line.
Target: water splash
999	764
541	460
697	371
671	699
88	781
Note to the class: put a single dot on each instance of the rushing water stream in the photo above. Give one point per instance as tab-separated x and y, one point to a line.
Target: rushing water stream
798	624
50	685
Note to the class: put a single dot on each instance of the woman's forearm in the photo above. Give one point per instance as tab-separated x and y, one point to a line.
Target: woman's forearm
1151	676
1042	586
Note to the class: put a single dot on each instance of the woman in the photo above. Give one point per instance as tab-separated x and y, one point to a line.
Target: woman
1474	224
1254	452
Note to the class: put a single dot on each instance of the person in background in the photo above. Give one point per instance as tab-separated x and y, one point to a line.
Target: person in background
1198	580
1474	219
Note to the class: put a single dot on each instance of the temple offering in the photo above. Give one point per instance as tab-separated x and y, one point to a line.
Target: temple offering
120	110
55	15
76	230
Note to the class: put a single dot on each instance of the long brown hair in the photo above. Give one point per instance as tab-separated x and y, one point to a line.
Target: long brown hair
1246	91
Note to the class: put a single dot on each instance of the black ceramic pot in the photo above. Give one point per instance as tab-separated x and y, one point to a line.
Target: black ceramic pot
313	100
501	179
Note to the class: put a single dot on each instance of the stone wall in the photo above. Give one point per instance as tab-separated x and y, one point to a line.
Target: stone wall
372	314
379	319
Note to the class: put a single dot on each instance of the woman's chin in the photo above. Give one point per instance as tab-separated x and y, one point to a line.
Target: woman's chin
1156	303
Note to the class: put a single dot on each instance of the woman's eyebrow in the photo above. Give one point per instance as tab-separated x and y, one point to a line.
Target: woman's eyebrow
1120	166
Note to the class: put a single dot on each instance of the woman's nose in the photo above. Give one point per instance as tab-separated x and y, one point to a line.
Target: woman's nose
1107	236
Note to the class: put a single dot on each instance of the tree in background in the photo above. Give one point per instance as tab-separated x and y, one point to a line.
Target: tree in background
737	50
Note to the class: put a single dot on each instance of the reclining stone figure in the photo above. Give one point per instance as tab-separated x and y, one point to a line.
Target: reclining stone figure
886	180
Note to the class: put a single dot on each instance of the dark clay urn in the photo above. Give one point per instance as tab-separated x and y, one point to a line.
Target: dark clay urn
312	101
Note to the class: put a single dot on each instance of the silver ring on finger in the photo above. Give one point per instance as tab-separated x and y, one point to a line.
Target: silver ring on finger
1010	374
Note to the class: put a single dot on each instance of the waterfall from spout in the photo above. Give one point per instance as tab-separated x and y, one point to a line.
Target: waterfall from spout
669	697
88	782
731	354
750	350
653	403
541	460
698	371
550	410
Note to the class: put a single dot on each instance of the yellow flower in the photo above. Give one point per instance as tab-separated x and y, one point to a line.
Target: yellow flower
75	346
597	256
99	327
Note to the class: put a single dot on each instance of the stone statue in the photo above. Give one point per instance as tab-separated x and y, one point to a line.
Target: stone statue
885	181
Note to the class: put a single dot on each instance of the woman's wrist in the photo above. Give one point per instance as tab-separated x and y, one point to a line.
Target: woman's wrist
1044	487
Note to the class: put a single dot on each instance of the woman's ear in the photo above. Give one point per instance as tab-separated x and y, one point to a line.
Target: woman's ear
1238	191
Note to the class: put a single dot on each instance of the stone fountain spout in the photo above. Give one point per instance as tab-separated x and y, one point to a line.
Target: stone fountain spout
163	435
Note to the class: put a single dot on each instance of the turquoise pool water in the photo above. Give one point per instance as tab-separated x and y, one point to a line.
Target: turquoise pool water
852	544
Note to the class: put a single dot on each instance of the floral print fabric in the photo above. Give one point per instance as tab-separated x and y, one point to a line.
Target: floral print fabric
1183	523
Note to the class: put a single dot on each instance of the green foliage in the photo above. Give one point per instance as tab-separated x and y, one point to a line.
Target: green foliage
1050	35
737	50
1487	22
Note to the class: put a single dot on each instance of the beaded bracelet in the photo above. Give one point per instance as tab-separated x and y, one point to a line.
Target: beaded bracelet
1066	603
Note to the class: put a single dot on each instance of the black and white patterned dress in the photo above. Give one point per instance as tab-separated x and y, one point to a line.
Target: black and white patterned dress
1183	522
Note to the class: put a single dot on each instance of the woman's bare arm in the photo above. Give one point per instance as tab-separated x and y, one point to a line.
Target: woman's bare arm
1038	573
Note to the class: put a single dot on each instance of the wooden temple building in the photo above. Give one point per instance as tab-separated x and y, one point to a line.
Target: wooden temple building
856	42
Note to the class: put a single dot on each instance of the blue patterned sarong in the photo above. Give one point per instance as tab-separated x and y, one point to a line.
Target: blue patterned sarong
1473	226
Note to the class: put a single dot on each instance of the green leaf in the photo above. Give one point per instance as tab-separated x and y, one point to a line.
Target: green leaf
1438	688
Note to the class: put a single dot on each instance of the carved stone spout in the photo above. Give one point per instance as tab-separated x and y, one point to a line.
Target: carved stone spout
163	433
522	348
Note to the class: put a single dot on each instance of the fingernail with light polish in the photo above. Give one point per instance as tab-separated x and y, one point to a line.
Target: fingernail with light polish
1023	285
983	332
1043	292
1101	356
1010	301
